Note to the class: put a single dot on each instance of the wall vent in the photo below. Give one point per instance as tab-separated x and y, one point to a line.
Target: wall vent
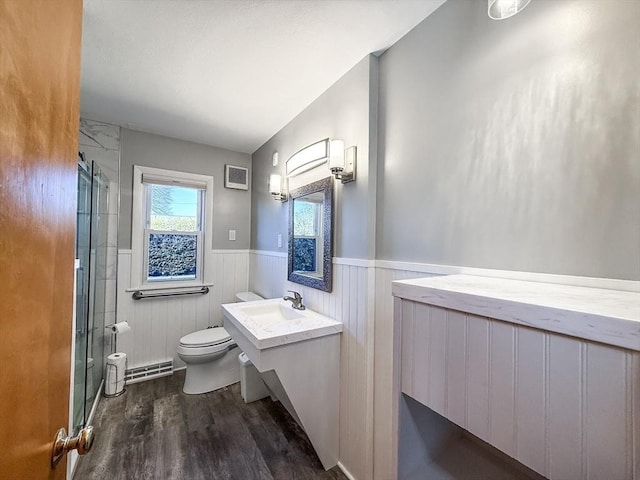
148	372
236	177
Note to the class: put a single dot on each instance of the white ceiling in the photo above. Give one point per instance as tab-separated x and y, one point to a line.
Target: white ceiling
229	73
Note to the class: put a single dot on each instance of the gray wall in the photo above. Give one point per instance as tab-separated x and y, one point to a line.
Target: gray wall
343	111
231	208
514	144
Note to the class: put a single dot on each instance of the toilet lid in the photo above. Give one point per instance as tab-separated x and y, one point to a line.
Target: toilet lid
206	337
248	296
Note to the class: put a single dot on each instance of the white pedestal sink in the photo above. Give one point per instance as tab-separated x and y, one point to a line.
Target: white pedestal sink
302	347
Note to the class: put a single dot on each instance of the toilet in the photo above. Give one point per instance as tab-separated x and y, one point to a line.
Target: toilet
248	297
211	356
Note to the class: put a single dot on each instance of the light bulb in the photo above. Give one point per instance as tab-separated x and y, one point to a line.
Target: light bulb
275	183
336	155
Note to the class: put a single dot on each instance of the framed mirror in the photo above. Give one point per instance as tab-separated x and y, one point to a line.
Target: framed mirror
311	235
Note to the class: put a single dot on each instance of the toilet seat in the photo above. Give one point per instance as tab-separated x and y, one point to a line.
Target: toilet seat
205	342
205	338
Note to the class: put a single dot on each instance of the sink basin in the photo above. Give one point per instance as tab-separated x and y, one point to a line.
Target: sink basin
271	312
269	323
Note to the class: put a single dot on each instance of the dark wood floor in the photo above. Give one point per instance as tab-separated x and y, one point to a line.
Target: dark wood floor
154	431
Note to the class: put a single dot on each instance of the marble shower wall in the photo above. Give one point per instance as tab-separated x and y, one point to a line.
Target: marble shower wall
100	142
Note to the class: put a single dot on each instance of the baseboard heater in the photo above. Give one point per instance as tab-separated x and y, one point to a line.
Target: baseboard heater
148	372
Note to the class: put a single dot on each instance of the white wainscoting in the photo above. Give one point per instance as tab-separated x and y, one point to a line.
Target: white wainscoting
360	288
565	407
157	324
349	304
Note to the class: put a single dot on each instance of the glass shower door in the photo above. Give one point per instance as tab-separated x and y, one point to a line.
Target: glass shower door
97	284
91	253
83	252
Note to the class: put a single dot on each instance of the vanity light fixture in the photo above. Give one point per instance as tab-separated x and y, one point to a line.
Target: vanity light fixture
309	157
501	9
342	163
276	188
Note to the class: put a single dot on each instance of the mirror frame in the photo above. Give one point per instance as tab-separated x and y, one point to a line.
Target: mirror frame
326	282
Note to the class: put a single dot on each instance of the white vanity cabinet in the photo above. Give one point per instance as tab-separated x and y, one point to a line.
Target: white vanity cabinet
547	374
298	354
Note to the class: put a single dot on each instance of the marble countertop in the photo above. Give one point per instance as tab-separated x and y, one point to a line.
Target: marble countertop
265	331
607	316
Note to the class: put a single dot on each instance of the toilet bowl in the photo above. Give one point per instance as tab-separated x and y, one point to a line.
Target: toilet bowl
211	357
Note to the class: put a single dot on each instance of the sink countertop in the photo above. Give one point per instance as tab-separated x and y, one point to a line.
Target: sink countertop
607	316
264	333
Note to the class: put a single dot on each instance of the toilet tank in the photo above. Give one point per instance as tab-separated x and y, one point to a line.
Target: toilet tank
248	297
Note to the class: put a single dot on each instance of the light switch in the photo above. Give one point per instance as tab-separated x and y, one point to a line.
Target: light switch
279	240
232	235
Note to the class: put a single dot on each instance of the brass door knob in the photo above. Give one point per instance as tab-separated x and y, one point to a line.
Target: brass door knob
63	444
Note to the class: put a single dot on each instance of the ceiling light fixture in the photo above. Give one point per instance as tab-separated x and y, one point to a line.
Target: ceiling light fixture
502	9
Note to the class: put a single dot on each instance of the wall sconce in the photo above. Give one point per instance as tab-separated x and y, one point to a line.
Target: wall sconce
276	188
501	9
342	163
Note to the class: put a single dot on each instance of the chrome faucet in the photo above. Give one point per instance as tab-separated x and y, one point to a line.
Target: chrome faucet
296	300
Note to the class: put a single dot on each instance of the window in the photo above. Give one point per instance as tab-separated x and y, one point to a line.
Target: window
170	221
173	233
307	234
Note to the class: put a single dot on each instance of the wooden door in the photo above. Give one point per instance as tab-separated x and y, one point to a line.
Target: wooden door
39	114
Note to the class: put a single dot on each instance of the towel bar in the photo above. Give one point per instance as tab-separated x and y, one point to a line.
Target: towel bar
139	294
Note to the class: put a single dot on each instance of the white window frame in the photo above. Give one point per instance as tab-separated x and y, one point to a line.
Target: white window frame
139	227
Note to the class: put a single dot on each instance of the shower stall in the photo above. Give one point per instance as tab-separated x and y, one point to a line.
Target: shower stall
91	263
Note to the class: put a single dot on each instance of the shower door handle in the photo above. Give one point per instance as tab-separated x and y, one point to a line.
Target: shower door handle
63	444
